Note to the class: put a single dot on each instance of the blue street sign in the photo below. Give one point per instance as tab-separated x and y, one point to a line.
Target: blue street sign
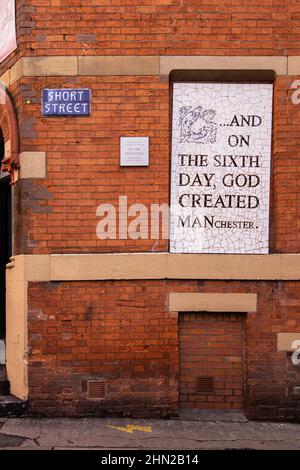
66	102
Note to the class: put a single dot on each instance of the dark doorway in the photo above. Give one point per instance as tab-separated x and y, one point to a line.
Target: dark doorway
5	238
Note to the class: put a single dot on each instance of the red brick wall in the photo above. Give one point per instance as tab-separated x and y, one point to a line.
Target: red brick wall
286	168
122	331
59	213
211	345
151	27
119	331
154	27
83	163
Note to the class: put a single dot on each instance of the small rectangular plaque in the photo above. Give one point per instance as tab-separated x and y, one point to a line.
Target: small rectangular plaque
66	102
134	151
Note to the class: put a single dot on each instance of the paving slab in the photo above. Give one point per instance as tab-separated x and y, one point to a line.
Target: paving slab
49	441
2	421
215	431
212	415
10	441
23	427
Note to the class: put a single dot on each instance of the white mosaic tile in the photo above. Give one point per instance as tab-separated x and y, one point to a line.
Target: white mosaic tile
221	151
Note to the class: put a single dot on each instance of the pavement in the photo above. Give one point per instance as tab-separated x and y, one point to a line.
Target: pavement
198	430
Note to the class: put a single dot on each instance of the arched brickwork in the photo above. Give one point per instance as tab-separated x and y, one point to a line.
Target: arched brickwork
9	128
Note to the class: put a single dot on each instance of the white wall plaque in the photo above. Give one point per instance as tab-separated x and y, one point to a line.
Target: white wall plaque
8	41
134	151
221	151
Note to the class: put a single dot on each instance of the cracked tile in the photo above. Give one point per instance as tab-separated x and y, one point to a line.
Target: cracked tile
24	427
220	177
